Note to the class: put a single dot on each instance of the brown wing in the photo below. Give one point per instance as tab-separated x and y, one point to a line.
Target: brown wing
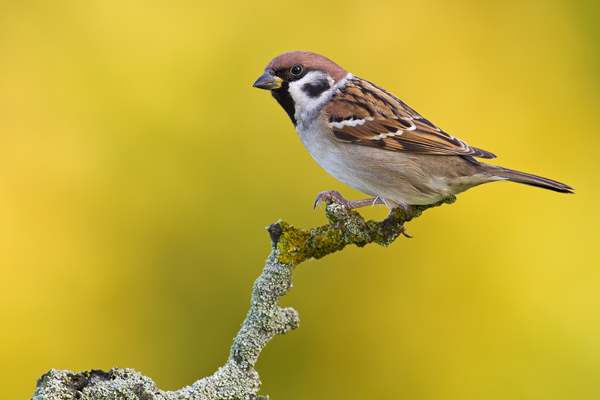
363	113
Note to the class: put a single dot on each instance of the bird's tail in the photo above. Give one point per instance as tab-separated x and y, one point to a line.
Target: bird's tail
532	180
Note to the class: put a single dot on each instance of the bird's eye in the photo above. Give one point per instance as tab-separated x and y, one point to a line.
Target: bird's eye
296	69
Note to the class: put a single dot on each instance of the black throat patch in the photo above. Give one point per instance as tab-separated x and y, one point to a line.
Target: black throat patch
283	97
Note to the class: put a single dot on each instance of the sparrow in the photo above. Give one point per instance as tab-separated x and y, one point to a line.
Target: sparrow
372	141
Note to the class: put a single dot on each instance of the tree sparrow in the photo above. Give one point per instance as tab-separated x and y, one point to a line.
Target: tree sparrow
372	141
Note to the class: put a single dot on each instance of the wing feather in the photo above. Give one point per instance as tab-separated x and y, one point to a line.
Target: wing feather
365	114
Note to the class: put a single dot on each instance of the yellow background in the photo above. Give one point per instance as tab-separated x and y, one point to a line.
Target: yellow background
138	169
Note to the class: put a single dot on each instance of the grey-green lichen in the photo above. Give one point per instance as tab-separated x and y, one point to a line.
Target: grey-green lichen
238	379
229	382
122	384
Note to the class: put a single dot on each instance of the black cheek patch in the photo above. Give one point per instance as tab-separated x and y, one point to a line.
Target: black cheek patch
316	89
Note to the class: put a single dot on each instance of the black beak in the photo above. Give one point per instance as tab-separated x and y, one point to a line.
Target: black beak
268	82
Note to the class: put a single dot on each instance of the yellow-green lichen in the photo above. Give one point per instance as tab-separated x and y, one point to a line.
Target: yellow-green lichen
297	245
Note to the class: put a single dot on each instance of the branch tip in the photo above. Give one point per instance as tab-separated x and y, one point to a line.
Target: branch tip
274	232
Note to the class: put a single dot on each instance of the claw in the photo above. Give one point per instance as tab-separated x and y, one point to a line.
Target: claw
378	200
332	195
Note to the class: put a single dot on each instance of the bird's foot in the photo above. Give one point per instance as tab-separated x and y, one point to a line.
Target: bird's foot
336	197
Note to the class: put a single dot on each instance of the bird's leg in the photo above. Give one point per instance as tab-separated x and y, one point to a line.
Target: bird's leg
336	197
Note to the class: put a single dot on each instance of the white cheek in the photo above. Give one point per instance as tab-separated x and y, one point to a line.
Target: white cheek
301	99
305	105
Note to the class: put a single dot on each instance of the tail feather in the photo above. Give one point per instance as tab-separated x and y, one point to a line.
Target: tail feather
532	180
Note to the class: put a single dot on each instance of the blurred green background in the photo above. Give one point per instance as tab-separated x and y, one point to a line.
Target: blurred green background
138	169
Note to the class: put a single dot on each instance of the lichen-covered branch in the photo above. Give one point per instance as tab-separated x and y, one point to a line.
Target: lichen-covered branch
346	227
238	379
